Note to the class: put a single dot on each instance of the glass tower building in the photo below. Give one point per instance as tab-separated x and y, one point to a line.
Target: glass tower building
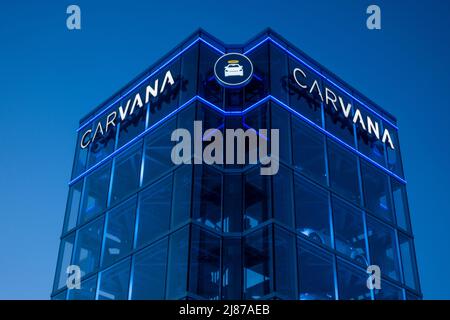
141	227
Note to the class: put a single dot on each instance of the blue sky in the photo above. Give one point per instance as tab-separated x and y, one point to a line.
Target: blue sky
50	77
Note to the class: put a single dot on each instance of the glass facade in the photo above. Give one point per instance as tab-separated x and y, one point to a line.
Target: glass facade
141	227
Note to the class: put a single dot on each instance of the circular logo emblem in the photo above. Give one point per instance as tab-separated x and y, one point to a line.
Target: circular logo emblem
233	70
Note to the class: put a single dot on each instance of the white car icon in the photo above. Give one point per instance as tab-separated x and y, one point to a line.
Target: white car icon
234	69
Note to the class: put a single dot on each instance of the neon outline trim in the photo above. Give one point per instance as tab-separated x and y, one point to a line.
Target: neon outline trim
245	53
236	113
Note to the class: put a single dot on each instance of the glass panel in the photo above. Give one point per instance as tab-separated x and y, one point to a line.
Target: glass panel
400	205
234	99
177	269
257	199
135	119
208	87
182	190
281	120
409	265
204	272
376	191
258	269
343	172
79	164
127	170
258	88
87	252
102	145
119	232
95	193
352	283
232	268
370	144
394	156
283	202
65	256
312	212
86	291
167	100
306	103
207	199
388	292
335	121
315	273
252	123
73	206
309	151
186	117
232	210
114	282
258	118
349	237
209	120
383	248
149	274
158	148
154	211
188	78
278	71
285	264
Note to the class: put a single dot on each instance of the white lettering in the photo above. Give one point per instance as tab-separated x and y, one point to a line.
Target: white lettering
110	120
367	124
304	86
316	85
327	98
387	137
358	118
167	79
99	128
151	91
128	109
347	109
84	143
138	102
373	128
123	113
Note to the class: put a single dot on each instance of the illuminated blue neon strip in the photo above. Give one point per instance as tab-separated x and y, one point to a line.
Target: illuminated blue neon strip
233	113
149	76
322	75
236	113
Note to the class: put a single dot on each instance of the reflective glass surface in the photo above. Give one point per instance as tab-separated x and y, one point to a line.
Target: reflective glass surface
142	227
